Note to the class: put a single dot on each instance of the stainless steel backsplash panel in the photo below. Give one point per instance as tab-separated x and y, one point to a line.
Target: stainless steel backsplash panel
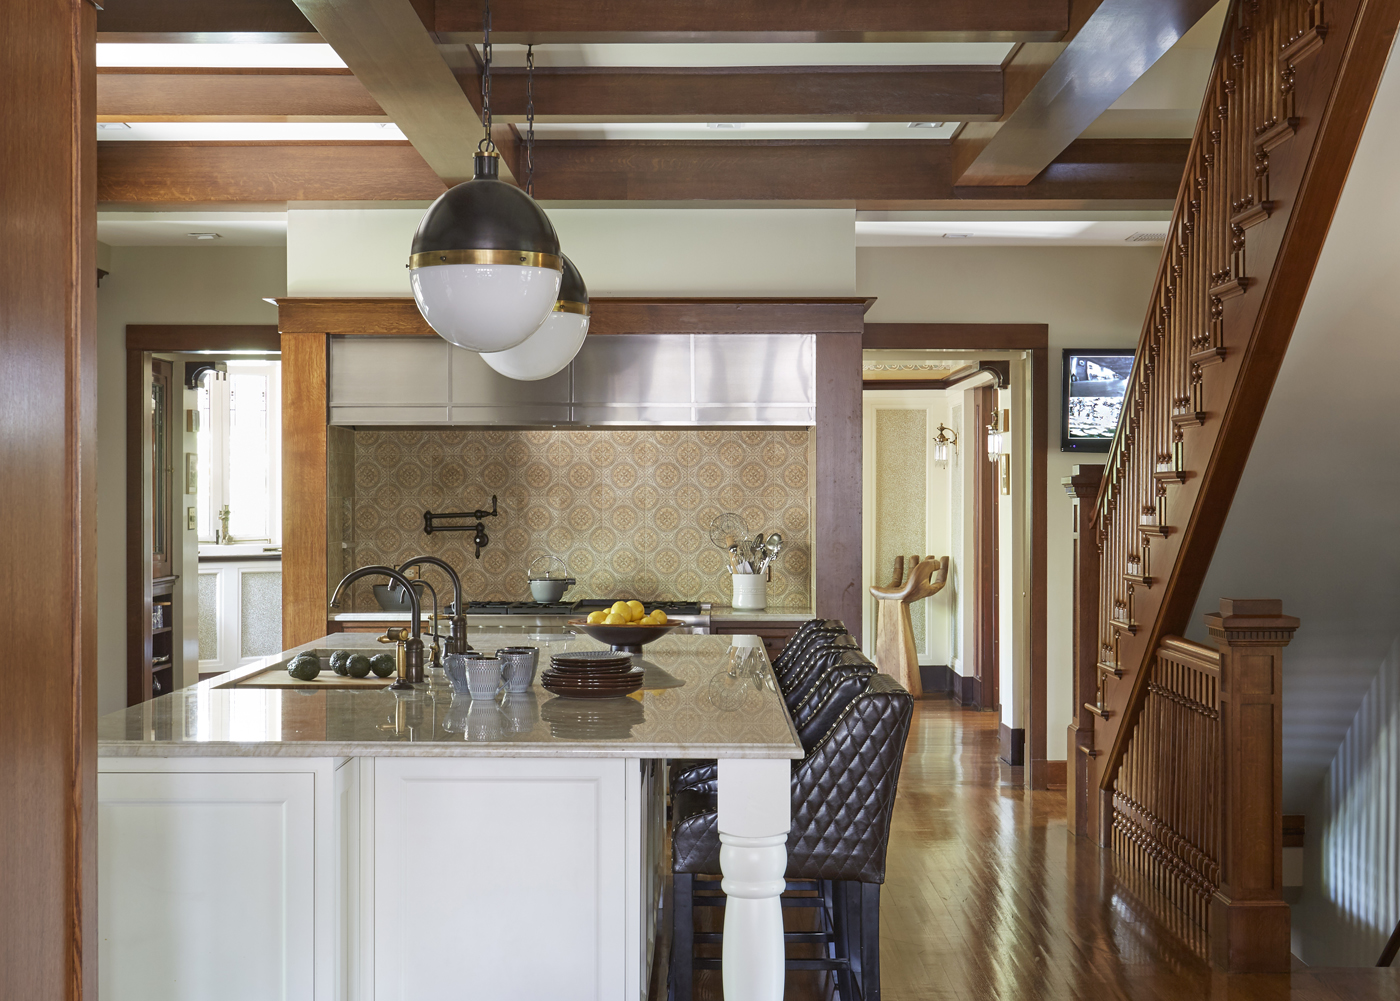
646	379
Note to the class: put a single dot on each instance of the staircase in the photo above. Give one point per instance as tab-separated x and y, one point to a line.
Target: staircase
1284	110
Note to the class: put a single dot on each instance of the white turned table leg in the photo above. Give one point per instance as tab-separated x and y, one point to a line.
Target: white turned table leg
755	812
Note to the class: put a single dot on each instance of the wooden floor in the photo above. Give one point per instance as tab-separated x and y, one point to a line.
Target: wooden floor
987	897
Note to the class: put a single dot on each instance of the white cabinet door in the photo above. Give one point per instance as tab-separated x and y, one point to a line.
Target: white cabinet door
503	879
206	886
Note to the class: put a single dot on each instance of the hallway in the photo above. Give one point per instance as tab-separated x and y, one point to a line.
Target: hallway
987	897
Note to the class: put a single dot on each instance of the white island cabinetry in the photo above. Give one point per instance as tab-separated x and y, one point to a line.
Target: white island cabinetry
337	845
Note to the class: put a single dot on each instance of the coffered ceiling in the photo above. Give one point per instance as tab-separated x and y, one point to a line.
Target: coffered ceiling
887	105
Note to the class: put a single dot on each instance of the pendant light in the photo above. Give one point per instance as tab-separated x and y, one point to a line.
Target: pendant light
485	264
549	349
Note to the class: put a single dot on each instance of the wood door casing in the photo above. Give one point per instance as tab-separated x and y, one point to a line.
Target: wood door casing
48	425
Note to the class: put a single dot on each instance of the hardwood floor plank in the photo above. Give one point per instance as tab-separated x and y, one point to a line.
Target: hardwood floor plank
988	897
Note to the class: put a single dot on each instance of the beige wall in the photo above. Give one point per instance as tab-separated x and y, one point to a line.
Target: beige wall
1089	296
720	252
156	285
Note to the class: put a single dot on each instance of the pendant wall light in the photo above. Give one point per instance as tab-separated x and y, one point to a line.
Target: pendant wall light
549	349
485	264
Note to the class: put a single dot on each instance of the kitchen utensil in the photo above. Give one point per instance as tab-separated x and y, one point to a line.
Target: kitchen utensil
518	664
771	549
628	638
728	530
549	578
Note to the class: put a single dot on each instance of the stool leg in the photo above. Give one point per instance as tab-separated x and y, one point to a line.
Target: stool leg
845	937
869	939
682	936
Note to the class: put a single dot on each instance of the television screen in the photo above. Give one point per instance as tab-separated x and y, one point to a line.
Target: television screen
1095	380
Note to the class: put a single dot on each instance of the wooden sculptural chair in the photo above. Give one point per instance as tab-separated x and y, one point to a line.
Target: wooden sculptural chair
895	653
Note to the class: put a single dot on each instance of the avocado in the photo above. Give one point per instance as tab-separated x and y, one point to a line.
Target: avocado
383	665
338	661
304	668
358	666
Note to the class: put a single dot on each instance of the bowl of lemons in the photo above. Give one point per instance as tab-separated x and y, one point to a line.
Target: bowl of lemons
627	625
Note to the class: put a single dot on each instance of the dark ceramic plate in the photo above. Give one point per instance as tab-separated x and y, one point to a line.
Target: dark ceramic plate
592	670
629	638
594	681
592	693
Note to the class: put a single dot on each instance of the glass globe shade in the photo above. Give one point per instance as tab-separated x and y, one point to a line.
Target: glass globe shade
485	307
546	352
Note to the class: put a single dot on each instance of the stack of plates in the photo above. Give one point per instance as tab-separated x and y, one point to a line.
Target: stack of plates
592	674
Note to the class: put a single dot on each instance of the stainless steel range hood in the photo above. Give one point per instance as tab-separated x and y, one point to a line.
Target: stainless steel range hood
626	379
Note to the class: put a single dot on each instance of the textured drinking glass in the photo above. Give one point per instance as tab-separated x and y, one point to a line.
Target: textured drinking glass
518	664
483	677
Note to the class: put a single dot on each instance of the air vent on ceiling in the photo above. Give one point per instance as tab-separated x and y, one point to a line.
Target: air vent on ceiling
1147	238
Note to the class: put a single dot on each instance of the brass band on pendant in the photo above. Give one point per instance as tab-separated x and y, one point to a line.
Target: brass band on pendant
565	306
524	258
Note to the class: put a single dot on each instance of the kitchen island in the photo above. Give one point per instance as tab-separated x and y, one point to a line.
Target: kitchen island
330	843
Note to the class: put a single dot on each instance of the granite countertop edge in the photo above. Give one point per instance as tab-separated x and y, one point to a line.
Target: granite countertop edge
439	749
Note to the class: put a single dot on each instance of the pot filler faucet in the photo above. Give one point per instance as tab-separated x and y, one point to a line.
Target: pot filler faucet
457	639
413	646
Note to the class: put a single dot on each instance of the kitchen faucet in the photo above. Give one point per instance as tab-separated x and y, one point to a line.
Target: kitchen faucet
457	639
413	646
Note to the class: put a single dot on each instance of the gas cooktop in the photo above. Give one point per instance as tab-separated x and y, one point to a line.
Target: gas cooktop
571	608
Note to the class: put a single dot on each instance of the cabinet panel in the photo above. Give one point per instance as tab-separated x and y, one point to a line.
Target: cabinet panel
526	896
206	886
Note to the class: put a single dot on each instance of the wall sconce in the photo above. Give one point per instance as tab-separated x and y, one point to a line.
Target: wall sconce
999	435
943	446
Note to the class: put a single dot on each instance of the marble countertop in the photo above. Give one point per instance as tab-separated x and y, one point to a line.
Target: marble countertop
704	697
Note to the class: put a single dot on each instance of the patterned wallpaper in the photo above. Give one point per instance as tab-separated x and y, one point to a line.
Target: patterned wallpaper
629	511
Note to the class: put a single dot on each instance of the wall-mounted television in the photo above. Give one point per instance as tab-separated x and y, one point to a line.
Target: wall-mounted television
1095	380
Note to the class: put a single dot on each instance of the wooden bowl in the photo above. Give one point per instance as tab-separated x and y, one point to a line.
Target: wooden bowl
628	638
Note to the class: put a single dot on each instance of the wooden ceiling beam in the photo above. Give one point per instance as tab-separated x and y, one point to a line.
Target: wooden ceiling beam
542	21
907	174
616	21
1117	42
386	44
594	94
747	93
144	94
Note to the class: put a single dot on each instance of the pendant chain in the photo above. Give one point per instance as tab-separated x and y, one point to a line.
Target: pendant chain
486	145
530	120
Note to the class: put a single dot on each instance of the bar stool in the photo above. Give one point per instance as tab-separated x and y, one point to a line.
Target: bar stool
800	634
813	718
843	795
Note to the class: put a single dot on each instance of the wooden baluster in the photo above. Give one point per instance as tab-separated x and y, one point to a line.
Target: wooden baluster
1249	922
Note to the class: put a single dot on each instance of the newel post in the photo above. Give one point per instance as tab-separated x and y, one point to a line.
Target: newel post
1249	926
1082	802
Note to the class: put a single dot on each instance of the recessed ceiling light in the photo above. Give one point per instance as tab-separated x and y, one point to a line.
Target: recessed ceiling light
113	125
725	125
205	236
926	125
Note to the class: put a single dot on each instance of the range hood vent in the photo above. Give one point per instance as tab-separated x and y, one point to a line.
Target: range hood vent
626	379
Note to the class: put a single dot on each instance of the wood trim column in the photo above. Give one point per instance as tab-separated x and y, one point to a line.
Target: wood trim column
48	430
984	505
1249	921
138	527
304	442
836	532
1043	772
1081	799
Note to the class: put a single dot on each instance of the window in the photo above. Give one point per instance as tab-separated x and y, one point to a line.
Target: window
240	454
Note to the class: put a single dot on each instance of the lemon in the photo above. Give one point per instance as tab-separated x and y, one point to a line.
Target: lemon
615	620
594	618
658	617
620	608
638	610
646	620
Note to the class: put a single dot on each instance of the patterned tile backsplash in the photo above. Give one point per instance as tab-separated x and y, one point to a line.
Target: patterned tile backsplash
628	511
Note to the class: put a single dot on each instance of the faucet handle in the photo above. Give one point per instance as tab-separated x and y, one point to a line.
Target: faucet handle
395	634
